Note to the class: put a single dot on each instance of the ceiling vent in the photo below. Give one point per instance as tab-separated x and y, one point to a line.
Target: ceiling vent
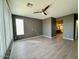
29	4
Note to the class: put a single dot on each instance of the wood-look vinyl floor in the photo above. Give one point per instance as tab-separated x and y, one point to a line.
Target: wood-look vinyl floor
44	48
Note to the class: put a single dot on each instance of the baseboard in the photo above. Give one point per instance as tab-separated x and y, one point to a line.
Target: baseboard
68	38
33	37
39	36
47	36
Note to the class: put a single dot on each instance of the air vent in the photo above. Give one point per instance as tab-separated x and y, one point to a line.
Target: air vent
29	4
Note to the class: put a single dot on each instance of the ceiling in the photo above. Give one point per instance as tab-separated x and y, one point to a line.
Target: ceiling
57	9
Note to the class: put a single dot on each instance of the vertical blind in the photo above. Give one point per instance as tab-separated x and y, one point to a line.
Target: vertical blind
6	33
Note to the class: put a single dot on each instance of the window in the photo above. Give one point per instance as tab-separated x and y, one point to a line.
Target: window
19	26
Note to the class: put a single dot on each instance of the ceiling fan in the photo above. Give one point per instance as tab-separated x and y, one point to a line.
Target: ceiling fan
43	10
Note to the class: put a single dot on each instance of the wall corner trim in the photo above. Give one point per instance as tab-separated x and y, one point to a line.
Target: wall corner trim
47	36
66	38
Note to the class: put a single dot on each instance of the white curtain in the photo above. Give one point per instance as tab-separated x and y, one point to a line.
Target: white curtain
6	33
2	31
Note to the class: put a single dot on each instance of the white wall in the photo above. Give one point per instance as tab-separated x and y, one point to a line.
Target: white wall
6	34
47	27
68	22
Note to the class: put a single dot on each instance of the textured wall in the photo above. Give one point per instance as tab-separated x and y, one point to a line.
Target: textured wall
47	27
32	27
68	22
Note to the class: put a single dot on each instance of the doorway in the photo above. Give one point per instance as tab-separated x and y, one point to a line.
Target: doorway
18	27
59	30
59	26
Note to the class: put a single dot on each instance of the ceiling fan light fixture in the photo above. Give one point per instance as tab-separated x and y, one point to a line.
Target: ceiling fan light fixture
42	13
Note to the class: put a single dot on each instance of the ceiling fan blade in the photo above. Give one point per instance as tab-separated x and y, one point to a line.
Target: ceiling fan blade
46	8
44	13
38	12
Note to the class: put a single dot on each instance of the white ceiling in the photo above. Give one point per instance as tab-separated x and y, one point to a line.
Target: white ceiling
57	9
